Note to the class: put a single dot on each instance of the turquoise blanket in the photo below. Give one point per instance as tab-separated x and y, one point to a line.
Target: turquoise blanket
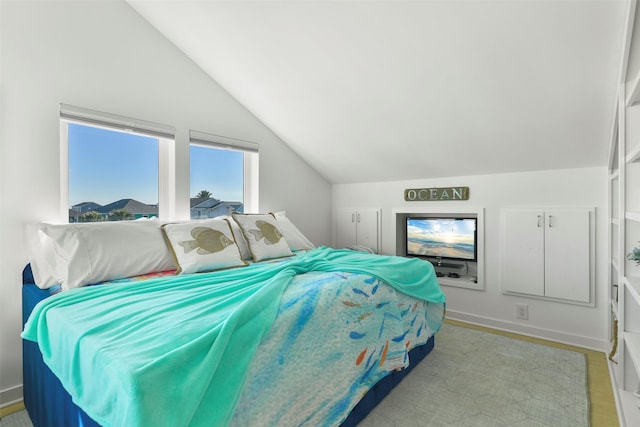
175	351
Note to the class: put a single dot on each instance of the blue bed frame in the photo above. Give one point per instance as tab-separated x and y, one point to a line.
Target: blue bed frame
49	405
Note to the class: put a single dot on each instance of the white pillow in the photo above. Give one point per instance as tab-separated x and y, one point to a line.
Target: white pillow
297	241
88	253
42	257
202	245
263	235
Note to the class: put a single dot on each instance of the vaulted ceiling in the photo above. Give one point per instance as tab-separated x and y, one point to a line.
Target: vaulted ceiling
392	90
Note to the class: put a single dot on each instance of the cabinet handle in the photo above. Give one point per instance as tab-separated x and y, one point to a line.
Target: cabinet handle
358	217
539	218
353	217
550	216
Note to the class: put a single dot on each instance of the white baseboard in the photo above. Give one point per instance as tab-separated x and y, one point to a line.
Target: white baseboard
616	394
546	334
11	396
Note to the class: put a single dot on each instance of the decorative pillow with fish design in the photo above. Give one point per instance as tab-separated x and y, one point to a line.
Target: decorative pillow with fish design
237	234
263	235
199	246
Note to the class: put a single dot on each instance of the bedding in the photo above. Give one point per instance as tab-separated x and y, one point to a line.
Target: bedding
336	336
87	253
238	236
42	257
182	347
202	246
263	235
294	237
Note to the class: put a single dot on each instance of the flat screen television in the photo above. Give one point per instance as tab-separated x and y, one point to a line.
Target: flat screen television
442	238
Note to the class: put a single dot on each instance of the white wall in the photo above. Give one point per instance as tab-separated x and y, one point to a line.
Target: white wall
104	56
585	326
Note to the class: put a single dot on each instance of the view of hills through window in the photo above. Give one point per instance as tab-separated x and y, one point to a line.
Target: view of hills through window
114	176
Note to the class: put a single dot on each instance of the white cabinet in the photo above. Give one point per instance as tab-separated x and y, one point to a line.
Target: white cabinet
523	252
358	227
548	253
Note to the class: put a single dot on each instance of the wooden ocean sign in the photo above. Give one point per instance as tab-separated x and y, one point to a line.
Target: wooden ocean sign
436	194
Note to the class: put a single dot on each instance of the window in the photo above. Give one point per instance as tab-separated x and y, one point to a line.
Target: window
223	175
117	168
113	166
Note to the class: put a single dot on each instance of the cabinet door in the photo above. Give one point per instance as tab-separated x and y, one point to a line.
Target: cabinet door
367	228
346	228
523	252
567	255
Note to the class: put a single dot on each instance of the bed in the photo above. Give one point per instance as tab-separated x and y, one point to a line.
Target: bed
316	337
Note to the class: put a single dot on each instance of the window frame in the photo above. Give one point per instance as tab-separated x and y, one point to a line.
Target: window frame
166	152
251	157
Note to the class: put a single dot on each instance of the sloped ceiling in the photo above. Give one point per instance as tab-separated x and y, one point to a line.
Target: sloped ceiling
392	90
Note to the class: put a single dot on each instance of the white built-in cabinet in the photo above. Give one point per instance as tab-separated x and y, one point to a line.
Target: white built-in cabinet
358	227
624	208
548	253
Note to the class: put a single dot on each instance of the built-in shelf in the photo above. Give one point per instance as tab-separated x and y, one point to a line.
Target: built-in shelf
623	172
634	155
633	284
632	343
614	175
630	404
633	91
472	274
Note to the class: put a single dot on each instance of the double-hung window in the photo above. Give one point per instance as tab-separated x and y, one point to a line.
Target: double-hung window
223	175
117	166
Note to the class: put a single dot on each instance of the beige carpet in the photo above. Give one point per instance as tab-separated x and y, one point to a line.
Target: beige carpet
476	378
16	419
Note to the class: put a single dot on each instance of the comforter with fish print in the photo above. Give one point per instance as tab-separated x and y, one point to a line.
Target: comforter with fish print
293	342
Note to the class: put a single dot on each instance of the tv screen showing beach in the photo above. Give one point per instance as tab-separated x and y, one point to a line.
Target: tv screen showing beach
441	237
